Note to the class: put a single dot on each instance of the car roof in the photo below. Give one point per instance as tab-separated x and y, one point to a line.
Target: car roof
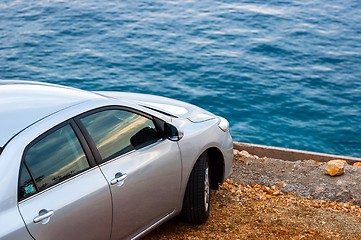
22	103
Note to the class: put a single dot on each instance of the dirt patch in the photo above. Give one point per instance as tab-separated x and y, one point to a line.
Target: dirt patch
305	178
251	212
263	200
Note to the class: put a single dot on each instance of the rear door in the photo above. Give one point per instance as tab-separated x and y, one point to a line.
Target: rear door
62	194
143	170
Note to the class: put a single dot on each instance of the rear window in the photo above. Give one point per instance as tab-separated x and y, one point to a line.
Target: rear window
50	160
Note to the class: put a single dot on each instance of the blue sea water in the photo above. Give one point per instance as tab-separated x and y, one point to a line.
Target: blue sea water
284	72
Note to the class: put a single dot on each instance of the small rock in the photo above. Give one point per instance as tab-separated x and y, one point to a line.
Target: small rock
311	162
245	154
281	184
316	205
235	152
262	160
335	167
357	164
277	192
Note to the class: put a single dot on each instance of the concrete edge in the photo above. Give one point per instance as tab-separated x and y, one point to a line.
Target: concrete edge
289	154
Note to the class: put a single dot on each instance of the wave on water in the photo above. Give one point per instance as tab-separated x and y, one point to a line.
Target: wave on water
285	73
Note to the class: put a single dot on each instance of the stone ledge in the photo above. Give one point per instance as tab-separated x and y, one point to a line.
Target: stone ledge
289	154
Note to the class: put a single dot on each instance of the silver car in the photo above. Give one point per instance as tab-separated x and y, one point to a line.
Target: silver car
104	165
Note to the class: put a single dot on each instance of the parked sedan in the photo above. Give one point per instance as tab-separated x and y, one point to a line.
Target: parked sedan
104	165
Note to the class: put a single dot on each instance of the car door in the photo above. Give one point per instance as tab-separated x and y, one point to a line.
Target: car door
143	169
62	193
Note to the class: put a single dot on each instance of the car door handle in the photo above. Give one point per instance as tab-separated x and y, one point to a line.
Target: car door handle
44	216
119	177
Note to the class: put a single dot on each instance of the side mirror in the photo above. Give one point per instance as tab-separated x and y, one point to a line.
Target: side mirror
143	137
172	133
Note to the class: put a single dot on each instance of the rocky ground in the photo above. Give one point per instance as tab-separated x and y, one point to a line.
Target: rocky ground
304	177
275	199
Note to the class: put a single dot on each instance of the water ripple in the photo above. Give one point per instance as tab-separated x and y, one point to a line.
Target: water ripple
285	73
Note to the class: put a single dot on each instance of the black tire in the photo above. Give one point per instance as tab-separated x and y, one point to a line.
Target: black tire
196	202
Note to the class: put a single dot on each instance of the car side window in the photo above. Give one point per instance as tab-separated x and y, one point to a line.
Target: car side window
27	185
116	132
50	160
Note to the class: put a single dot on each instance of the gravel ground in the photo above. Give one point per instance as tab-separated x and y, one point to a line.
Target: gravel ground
305	178
263	200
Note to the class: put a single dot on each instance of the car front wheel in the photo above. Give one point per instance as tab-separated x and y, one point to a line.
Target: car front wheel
196	203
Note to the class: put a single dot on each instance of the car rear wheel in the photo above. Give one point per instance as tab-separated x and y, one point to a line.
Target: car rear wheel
196	203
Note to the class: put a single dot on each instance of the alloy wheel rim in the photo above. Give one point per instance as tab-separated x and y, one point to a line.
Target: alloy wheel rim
206	188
